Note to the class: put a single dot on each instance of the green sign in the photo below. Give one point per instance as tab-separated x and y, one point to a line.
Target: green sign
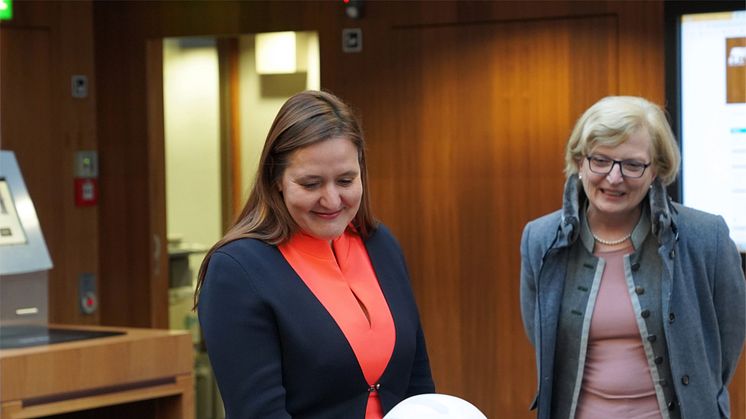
6	9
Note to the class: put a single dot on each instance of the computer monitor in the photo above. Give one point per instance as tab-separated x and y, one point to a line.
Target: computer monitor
706	94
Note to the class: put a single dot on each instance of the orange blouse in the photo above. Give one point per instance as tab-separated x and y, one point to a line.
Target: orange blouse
343	280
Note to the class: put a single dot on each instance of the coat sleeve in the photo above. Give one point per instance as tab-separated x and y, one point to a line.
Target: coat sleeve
242	342
528	287
729	297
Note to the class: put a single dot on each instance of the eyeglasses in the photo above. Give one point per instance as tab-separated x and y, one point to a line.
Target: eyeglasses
631	169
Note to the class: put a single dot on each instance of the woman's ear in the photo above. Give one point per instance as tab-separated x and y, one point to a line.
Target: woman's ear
579	162
579	168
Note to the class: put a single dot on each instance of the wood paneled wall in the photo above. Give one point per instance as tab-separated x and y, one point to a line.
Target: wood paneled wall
41	48
483	133
466	107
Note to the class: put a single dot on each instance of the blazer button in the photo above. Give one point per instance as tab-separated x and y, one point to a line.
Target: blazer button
685	380
636	266
639	290
672	254
645	313
671	317
652	338
671	405
659	360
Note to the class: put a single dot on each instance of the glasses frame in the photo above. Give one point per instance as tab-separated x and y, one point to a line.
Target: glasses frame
621	168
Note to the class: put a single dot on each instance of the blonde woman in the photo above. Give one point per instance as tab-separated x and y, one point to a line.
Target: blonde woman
635	304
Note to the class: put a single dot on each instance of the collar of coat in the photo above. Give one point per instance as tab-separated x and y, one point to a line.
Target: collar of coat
662	212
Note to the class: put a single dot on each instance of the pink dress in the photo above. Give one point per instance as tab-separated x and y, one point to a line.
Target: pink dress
616	380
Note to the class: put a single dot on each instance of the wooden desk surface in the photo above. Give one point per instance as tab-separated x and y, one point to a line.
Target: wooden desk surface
138	356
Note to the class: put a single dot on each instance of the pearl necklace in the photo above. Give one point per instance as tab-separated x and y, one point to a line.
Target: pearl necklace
610	242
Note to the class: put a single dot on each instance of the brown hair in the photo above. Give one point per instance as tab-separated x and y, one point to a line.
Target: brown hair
306	118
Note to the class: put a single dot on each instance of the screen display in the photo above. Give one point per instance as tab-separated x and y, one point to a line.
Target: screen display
11	230
713	116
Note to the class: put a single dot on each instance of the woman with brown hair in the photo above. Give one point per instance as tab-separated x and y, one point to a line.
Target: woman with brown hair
305	304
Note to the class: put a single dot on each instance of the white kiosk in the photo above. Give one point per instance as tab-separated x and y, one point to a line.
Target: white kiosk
24	265
52	369
24	259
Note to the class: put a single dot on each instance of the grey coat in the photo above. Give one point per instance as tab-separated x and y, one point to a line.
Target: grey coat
699	304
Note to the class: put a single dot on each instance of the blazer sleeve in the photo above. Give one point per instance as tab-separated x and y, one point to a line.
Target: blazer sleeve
729	297
242	342
421	381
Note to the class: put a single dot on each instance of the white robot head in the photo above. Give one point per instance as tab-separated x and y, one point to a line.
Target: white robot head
434	406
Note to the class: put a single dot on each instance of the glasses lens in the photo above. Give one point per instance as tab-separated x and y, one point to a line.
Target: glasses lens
600	165
633	169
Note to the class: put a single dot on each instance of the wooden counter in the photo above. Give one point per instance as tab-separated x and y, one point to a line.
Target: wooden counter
142	364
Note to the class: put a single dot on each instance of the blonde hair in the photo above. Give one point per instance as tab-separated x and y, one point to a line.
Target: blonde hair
611	120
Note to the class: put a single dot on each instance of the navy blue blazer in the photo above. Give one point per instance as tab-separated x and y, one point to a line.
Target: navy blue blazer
276	351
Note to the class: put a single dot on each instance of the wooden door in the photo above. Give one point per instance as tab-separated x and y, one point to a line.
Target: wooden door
481	114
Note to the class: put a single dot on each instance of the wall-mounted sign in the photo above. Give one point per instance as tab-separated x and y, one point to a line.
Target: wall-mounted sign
352	40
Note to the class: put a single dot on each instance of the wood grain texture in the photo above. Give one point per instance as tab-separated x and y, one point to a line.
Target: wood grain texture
42	47
98	401
230	129
466	125
157	282
479	152
466	106
142	364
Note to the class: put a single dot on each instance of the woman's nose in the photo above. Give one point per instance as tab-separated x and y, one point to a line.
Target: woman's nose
615	175
330	197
